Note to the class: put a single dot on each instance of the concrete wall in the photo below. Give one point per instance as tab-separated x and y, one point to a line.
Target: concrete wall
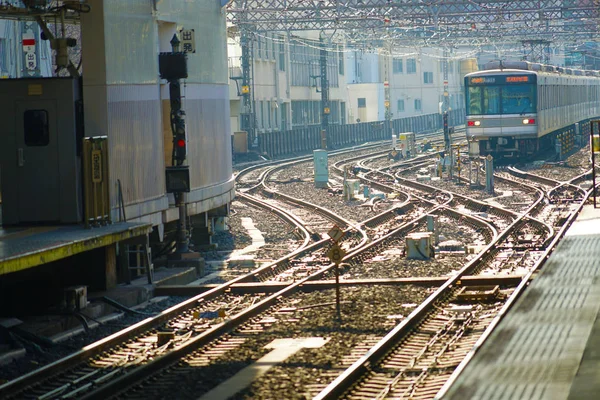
411	86
362	67
373	94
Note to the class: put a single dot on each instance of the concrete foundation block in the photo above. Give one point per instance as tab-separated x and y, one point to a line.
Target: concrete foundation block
419	246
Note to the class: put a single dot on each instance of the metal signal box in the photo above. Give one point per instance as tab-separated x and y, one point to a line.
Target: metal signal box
40	148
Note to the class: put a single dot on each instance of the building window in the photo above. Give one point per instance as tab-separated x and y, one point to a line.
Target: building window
284	116
266	48
269	113
282	56
258	47
427	77
341	61
397	65
411	66
417	104
343	113
36	128
3	56
400	105
362	102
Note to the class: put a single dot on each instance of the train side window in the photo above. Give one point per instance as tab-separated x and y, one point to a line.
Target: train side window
544	97
36	128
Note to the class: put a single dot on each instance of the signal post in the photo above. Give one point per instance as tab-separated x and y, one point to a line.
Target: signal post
336	254
173	68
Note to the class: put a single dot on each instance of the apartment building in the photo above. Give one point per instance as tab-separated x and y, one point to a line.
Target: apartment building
414	78
285	81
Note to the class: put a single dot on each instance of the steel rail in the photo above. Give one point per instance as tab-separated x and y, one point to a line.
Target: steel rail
344	381
288	217
45	372
513	299
254	288
382	348
132	377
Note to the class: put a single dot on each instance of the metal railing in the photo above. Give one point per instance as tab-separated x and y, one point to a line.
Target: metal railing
301	140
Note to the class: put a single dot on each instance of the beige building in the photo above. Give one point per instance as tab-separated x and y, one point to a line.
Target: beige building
285	82
415	79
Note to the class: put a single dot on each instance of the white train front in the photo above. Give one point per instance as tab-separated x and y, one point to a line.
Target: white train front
515	109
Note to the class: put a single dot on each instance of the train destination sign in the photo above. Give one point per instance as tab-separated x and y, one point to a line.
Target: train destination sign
481	80
499	79
510	79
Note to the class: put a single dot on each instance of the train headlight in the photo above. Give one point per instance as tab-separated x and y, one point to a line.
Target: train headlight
477	123
528	121
473	123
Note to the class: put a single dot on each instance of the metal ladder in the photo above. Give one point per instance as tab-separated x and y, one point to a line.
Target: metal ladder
143	264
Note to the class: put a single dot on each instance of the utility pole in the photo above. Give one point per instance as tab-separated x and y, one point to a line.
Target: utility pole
386	83
446	108
446	103
247	114
324	94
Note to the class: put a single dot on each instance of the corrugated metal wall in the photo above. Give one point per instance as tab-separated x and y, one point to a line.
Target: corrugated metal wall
206	90
136	146
209	150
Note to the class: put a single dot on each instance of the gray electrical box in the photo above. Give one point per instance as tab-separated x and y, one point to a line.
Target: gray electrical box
40	146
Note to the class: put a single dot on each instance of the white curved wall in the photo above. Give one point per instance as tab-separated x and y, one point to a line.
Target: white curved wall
123	96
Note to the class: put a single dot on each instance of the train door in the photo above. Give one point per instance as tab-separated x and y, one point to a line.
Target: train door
37	161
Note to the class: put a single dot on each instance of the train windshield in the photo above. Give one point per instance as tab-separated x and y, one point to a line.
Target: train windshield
518	99
501	95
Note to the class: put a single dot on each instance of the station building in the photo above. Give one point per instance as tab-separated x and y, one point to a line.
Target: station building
114	95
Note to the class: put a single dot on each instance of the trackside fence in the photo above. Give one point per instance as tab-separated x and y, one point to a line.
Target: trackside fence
302	140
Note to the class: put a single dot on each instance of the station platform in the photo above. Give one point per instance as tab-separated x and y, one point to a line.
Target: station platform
23	248
548	344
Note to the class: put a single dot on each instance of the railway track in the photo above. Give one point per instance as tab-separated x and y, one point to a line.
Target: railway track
157	367
139	370
418	357
139	366
98	364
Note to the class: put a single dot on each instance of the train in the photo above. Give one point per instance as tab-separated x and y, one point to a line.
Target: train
515	109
